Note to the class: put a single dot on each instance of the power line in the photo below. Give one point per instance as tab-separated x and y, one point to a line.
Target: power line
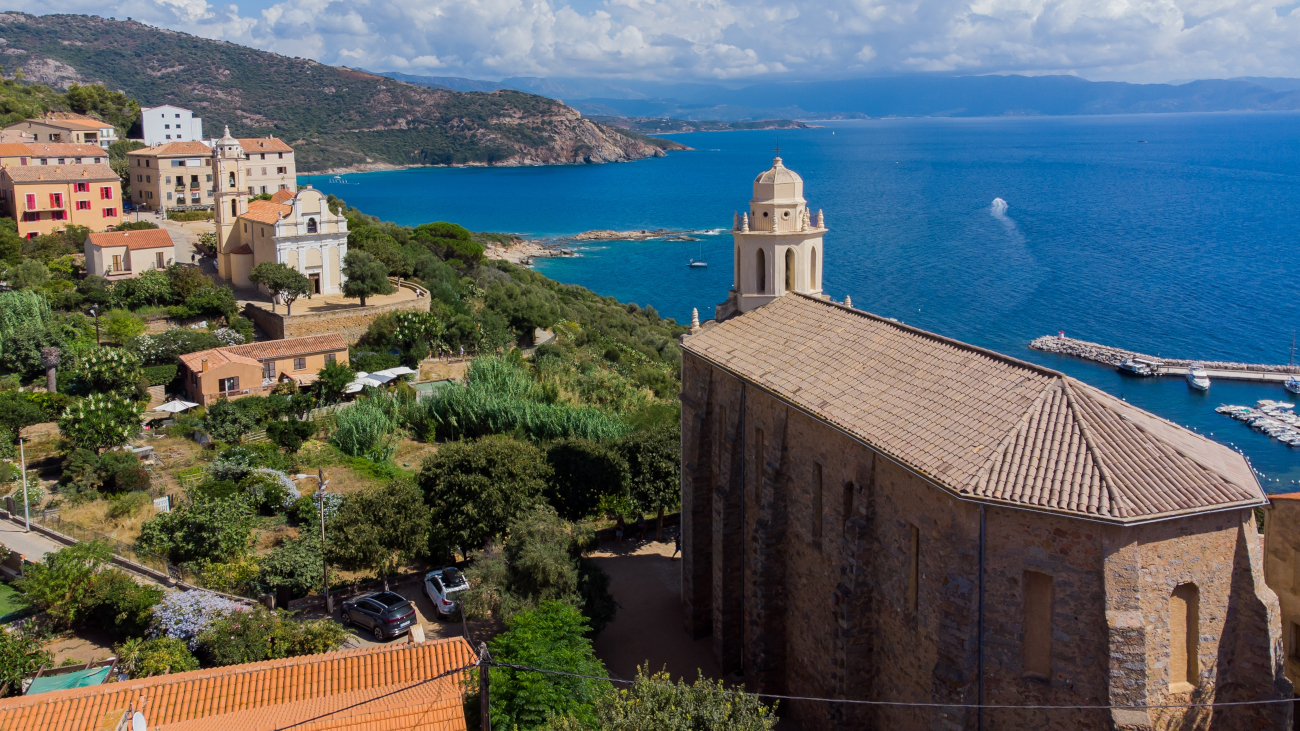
327	714
1143	707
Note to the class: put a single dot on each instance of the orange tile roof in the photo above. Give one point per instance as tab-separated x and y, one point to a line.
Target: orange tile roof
78	123
264	144
60	173
64	149
282	196
153	238
242	249
264	211
187	148
368	689
977	423
291	347
15	149
216	357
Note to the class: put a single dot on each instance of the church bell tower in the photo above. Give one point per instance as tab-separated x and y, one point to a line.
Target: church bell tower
231	198
778	244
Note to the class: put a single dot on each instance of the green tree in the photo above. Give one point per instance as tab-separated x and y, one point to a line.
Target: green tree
213	302
121	326
101	421
282	283
654	457
65	584
475	488
366	277
295	565
380	529
21	655
121	606
186	280
230	421
584	471
152	287
216	529
109	370
18	411
551	637
289	434
240	637
656	703
141	658
30	274
331	382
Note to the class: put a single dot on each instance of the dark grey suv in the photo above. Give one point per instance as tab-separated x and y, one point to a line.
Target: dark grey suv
386	614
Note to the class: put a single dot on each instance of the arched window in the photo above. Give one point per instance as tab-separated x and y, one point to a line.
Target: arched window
812	270
234	208
1184	638
311	225
789	270
760	271
232	179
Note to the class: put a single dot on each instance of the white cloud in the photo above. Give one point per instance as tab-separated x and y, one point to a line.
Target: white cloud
1137	40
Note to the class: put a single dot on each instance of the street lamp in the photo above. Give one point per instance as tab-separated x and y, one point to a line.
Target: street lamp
94	312
325	567
22	462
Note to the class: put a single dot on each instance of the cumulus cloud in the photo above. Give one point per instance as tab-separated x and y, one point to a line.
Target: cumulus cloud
676	40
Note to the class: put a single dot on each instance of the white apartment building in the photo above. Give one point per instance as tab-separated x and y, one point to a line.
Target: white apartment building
170	124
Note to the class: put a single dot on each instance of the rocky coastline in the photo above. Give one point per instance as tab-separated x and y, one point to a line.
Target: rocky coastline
1108	355
637	235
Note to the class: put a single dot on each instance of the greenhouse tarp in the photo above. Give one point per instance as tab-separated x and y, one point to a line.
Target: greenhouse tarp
74	679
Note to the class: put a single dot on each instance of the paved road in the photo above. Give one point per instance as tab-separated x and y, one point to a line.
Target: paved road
32	545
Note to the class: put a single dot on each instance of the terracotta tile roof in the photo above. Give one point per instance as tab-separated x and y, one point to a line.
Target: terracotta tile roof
977	423
242	249
291	347
73	123
216	357
264	144
264	211
186	148
368	689
14	149
153	238
64	149
282	196
60	173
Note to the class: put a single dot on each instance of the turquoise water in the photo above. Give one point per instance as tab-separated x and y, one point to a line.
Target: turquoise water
1168	234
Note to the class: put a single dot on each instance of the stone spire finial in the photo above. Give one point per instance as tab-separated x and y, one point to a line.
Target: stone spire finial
695	320
744	223
848	301
821	219
735	221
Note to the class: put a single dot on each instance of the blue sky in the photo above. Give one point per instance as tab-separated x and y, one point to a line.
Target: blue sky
721	40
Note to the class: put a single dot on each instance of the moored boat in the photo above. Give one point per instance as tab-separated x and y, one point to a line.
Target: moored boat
1137	367
1197	378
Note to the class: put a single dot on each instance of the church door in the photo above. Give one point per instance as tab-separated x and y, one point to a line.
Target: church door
315	283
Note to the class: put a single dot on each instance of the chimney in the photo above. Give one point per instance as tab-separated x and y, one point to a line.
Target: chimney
203	368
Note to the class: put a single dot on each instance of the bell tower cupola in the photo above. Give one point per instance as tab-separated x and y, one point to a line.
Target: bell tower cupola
778	243
228	168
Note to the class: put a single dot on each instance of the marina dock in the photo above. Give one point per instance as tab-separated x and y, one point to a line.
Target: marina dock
1111	356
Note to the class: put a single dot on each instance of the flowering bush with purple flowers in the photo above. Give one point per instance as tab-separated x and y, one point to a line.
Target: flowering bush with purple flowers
187	615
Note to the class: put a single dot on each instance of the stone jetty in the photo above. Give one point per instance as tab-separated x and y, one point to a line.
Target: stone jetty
1098	353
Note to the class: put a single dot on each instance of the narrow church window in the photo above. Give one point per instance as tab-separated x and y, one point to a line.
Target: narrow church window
234	209
789	270
1184	638
1038	625
817	516
760	270
311	225
914	566
812	269
848	505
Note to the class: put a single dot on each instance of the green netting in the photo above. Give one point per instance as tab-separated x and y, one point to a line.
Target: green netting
74	679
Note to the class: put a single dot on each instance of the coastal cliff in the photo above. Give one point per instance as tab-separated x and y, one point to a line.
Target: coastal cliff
336	118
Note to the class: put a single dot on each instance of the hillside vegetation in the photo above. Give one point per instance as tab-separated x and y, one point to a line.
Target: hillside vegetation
334	117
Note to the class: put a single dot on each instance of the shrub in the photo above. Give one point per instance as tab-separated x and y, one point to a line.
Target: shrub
366	430
109	370
100	421
128	505
306	509
290	434
656	702
184	616
202	528
121	325
270	490
120	471
295	565
35	493
230	421
163	349
141	658
161	375
584	471
21	655
215	490
122	607
379	529
189	215
242	637
65	584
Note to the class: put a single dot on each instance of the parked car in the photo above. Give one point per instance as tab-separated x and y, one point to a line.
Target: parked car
386	614
442	586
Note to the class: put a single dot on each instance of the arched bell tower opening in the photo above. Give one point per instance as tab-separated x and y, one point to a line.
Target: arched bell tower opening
777	229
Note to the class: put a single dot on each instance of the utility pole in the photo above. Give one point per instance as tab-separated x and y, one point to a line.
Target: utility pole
94	311
325	567
22	462
484	673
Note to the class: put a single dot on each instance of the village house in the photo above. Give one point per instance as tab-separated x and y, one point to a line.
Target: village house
127	254
254	369
875	512
46	153
66	127
270	165
171	175
48	198
170	124
367	689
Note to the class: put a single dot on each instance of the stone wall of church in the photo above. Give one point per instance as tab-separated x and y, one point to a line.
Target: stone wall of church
798	559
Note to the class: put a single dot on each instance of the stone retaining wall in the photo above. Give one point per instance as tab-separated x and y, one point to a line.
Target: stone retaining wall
350	322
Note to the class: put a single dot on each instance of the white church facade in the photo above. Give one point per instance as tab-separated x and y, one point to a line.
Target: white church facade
297	230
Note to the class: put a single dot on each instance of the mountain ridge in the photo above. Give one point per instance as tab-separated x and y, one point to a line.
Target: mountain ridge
335	117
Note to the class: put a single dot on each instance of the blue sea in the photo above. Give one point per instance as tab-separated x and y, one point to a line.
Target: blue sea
1176	235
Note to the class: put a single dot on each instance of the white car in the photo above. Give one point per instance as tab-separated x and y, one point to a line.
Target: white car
442	586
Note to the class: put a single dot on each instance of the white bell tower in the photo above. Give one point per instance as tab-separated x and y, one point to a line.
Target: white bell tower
778	244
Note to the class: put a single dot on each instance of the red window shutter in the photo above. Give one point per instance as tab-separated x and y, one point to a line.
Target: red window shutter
31	201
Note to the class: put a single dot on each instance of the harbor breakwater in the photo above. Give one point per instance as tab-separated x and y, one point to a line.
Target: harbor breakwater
1112	356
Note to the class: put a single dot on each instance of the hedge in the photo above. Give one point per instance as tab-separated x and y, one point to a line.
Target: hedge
160	375
189	215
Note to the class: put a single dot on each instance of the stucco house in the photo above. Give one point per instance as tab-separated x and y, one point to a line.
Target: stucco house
254	369
67	127
128	254
47	198
171	175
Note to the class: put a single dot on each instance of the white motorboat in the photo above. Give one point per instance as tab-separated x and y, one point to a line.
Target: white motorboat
1292	385
1137	367
1197	378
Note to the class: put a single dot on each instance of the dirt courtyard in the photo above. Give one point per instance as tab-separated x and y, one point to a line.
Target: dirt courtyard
648	628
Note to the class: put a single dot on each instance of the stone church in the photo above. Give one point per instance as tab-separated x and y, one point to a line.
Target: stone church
873	512
297	230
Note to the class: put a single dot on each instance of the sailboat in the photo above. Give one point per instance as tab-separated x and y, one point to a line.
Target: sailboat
699	262
1292	384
